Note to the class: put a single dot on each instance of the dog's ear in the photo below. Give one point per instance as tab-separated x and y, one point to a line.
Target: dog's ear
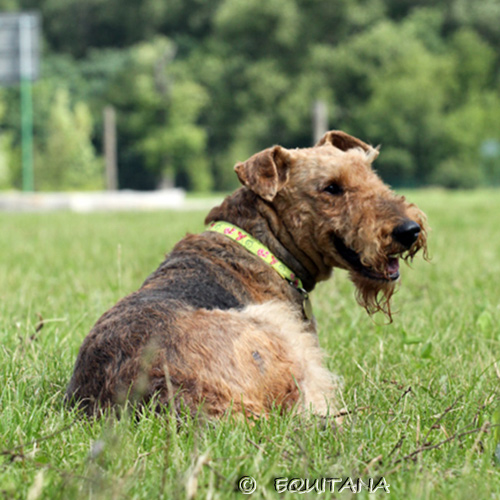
265	173
344	142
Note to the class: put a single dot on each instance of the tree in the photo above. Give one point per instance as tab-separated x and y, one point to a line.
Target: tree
159	105
67	160
202	84
6	154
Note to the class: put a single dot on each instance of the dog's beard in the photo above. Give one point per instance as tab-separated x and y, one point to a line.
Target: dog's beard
374	295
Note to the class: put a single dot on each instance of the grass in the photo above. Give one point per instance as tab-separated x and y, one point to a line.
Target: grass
423	391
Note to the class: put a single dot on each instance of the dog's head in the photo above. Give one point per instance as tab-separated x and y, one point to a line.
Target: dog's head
339	212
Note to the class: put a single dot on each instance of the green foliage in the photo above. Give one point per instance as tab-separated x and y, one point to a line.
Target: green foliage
257	28
6	154
67	160
403	104
159	105
5	175
397	166
75	27
474	62
456	173
201	84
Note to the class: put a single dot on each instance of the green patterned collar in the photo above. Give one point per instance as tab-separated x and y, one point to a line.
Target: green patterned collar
255	247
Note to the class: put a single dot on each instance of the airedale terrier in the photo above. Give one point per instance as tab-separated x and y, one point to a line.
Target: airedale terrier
224	324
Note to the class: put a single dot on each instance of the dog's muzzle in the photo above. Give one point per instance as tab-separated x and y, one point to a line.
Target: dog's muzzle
353	259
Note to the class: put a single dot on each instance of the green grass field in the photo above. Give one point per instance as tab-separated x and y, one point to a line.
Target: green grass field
423	391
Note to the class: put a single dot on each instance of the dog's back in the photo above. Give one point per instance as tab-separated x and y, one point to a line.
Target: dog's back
190	334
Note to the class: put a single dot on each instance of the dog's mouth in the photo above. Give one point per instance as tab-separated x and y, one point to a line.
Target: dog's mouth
390	273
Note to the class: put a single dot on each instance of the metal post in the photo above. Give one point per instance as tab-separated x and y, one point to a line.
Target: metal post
26	103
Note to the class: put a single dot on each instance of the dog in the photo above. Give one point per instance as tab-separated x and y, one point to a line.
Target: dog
225	323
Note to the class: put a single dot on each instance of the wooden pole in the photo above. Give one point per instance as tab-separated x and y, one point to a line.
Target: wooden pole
320	120
110	148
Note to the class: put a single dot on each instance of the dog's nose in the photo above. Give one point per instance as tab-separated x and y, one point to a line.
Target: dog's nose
406	233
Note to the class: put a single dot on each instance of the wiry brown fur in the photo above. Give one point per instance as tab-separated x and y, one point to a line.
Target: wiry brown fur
215	327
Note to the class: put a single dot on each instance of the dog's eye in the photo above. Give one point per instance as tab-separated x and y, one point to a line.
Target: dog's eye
334	189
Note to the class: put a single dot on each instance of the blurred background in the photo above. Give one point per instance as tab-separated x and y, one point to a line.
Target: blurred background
195	85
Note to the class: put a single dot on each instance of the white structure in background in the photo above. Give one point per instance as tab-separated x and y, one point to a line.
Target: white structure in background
94	201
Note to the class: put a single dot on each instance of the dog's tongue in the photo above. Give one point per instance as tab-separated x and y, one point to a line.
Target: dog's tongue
393	266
